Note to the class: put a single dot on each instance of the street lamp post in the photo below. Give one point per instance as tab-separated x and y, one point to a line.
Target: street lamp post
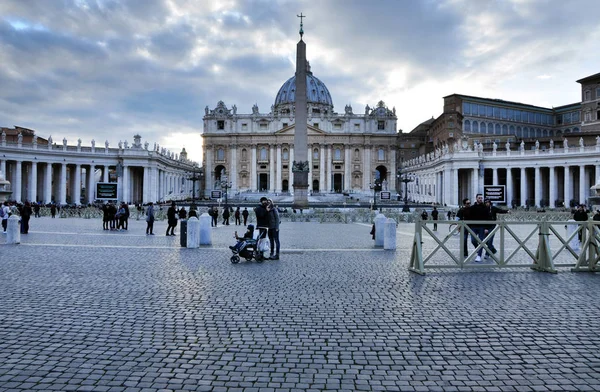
405	179
196	176
375	186
225	184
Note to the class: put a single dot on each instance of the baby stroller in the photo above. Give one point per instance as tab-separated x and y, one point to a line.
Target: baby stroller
252	248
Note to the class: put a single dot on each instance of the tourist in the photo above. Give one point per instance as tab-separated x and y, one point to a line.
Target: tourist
596	216
274	230
171	219
150	219
262	217
236	215
478	212
226	216
493	212
245	214
463	214
434	216
105	217
53	210
580	215
4	214
182	213
36	209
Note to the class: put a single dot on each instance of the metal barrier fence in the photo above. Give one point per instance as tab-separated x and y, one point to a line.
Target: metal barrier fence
536	245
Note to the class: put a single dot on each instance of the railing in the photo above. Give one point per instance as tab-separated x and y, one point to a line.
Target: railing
536	245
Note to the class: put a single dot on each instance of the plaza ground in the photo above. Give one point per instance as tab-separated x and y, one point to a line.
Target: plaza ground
84	309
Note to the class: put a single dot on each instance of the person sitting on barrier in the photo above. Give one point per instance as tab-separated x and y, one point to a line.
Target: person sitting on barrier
462	214
580	215
478	212
493	212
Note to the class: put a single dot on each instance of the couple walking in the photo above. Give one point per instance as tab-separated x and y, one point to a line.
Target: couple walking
267	220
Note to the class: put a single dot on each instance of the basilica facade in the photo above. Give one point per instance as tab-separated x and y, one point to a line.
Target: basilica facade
348	151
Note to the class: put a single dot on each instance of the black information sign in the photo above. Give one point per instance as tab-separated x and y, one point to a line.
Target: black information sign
385	195
215	194
496	193
106	191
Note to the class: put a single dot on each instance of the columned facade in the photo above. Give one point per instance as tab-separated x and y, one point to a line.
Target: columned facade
68	174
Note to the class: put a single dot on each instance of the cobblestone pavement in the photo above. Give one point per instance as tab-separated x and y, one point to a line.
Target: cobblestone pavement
83	309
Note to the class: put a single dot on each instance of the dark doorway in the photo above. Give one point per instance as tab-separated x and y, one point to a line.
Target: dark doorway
285	187
315	185
263	182
338	182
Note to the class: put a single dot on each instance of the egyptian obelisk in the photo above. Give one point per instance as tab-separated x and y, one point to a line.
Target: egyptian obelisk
300	166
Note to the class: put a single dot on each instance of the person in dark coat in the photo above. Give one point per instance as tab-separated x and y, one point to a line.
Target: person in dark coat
478	212
171	219
26	212
434	215
274	230
237	215
262	217
493	212
580	215
226	216
245	216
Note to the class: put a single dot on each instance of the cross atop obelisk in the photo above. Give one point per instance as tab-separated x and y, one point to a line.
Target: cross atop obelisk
300	167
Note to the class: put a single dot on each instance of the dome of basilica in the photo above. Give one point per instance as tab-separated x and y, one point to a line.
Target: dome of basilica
316	92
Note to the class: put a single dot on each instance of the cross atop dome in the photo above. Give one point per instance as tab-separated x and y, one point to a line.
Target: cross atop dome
301	30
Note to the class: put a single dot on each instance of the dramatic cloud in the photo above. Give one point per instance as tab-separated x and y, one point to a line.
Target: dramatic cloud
108	69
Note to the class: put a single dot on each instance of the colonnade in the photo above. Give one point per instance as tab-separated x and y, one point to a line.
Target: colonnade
69	175
558	179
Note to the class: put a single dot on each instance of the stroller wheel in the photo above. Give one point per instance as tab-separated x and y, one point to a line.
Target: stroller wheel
248	258
235	259
259	257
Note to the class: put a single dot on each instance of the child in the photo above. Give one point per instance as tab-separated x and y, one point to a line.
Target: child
248	235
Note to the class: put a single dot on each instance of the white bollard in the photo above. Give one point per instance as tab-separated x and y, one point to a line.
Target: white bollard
389	240
13	232
205	229
379	229
193	233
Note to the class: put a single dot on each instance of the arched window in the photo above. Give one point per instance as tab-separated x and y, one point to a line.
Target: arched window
505	129
498	131
263	154
519	132
467	126
526	132
538	132
475	127
511	130
285	154
220	154
575	130
337	154
490	129
381	155
244	154
357	154
316	153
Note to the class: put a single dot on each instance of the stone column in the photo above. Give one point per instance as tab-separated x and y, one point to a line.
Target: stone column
253	178
509	187
537	187
279	168
77	188
271	169
105	174
63	184
310	168
474	183
291	173
91	183
597	176
552	186
145	187
392	174
18	185
233	170
209	170
367	167
495	176
523	186
347	169
329	173
126	185
48	183
3	168
322	185
33	182
568	191
583	186
454	187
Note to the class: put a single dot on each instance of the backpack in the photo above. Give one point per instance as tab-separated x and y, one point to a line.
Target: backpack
2	213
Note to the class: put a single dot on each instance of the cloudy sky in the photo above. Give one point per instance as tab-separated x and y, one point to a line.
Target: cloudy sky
108	69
